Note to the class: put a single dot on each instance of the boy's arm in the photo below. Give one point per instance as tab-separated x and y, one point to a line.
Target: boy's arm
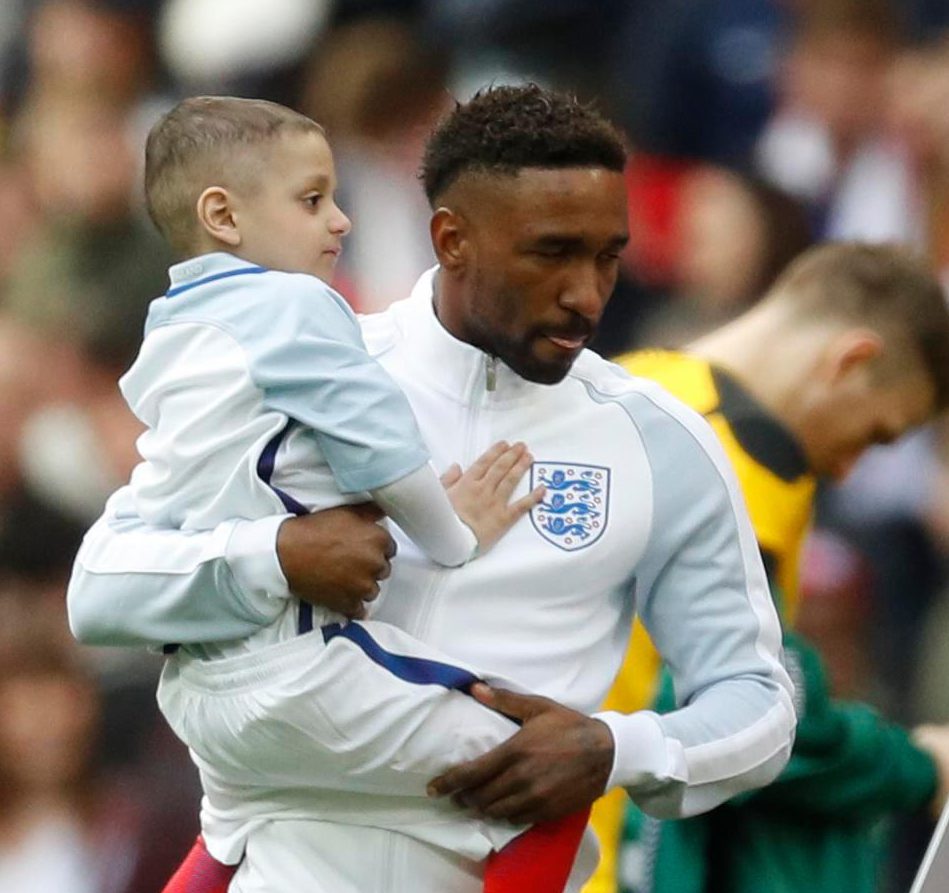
481	496
133	584
311	365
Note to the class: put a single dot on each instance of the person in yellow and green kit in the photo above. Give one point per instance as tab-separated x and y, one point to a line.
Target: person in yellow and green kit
849	348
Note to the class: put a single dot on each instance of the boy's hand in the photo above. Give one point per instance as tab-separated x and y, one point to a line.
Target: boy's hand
482	495
335	558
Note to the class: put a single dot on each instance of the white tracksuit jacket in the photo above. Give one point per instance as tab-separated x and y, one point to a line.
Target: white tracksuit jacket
642	514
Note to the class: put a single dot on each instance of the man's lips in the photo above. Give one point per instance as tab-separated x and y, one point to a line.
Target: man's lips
568	342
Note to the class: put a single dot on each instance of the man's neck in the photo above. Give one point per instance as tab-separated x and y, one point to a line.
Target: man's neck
763	356
446	309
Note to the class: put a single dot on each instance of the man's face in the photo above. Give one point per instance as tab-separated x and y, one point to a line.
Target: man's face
541	257
861	412
289	220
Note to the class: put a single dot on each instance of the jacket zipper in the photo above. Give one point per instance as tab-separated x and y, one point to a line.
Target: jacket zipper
476	398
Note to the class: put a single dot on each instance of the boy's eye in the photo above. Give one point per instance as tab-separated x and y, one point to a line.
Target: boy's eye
312	200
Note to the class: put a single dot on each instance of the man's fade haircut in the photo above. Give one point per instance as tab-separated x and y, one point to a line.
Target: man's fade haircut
195	145
886	287
504	129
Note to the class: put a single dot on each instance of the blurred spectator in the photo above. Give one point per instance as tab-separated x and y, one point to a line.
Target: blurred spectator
232	46
378	91
835	612
735	235
558	42
64	142
59	829
89	48
713	242
827	143
74	309
917	100
19	211
881	509
695	78
928	18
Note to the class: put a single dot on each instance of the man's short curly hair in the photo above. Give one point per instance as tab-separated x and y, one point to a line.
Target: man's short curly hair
504	129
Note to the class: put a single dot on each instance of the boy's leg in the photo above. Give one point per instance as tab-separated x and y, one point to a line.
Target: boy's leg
200	872
540	859
347	725
281	855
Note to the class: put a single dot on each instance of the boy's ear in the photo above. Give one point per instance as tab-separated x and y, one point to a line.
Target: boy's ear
216	216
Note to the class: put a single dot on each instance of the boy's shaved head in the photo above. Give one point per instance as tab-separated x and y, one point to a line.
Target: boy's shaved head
202	142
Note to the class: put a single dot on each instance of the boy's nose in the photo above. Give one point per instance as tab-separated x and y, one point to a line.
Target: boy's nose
341	224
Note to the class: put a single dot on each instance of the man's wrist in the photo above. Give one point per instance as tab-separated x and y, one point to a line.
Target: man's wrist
251	555
642	755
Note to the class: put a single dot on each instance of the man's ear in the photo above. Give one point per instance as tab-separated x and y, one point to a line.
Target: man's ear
851	351
216	215
449	231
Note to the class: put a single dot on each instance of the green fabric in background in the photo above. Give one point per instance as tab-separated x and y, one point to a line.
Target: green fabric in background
821	827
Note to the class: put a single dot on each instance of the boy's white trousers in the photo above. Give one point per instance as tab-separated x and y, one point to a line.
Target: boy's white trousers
348	730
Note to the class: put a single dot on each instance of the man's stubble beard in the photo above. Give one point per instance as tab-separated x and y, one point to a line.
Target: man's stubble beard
491	336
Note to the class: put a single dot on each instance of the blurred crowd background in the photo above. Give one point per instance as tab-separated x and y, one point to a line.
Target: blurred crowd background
758	127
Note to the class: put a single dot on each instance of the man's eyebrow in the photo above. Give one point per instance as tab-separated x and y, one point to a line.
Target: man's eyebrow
572	240
558	239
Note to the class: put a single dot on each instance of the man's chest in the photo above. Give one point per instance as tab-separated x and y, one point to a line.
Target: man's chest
568	565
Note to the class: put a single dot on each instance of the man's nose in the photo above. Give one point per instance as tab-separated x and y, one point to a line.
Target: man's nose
584	294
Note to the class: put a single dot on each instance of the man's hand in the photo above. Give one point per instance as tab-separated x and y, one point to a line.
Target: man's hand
335	558
558	763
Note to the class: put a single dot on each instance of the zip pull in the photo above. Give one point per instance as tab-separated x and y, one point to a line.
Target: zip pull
491	373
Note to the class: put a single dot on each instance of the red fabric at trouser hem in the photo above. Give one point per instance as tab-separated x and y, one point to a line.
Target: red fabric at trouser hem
200	873
539	860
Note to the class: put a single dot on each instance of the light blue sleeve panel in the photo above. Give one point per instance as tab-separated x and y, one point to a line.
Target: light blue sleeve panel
306	354
704	598
133	584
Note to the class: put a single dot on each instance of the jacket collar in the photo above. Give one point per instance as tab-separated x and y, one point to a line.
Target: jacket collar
207	268
455	367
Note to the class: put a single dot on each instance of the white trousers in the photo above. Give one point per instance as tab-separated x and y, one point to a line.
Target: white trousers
323	857
348	730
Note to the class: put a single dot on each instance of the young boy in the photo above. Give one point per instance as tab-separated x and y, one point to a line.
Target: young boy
260	399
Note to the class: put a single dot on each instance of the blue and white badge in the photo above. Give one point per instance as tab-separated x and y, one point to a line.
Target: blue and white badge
575	509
